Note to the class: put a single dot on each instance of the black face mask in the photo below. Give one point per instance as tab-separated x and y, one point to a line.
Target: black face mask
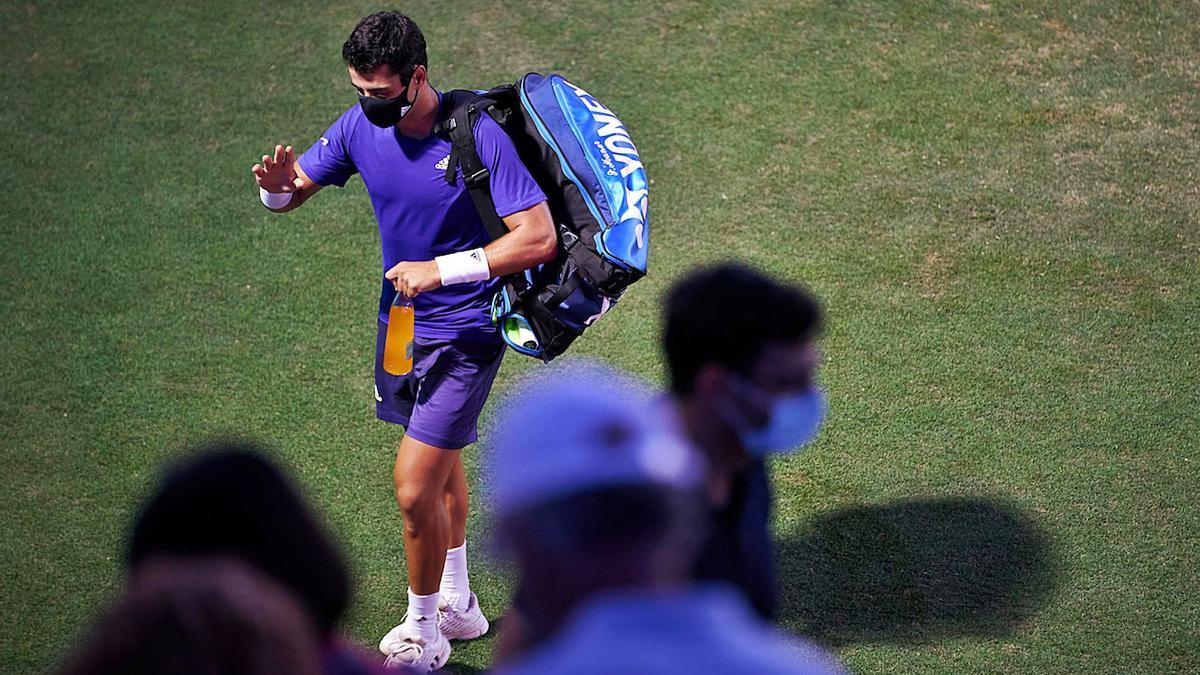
386	112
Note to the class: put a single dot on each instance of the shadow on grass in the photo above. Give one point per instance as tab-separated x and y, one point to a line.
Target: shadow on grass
914	571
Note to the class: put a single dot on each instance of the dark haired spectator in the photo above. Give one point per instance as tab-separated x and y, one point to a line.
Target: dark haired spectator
741	364
229	500
202	616
598	503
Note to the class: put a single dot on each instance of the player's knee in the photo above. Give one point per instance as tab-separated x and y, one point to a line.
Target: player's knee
416	500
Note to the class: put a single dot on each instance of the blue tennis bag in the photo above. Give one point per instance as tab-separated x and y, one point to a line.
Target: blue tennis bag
585	162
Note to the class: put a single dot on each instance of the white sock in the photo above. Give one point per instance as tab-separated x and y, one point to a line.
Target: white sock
456	587
423	614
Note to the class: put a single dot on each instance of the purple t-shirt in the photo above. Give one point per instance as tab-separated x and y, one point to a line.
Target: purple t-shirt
420	215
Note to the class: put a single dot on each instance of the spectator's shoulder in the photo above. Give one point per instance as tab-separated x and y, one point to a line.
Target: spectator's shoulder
785	653
774	651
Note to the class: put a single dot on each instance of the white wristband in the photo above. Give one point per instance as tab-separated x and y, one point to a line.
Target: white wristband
274	200
464	266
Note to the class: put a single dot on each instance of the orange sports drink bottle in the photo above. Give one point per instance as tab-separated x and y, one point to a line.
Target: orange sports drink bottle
398	345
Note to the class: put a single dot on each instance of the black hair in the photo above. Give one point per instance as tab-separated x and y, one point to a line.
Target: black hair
726	315
385	39
229	500
199	616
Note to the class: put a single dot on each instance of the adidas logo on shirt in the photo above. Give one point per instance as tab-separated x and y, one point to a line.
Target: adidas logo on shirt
443	163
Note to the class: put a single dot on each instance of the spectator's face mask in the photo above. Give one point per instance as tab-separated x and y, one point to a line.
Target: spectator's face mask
793	418
387	112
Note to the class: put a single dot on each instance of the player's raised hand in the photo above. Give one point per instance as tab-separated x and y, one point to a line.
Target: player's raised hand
277	173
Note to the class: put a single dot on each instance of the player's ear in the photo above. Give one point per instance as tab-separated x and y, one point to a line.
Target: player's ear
419	77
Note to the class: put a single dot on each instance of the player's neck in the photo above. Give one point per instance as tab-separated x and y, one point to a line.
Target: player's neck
419	122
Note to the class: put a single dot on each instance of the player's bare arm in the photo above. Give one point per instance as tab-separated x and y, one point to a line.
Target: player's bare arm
530	241
279	174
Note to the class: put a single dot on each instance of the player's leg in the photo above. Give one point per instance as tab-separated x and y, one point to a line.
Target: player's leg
455	588
449	412
420	476
440	403
461	618
457	503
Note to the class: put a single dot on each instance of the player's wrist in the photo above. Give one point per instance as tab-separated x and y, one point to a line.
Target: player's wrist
463	267
274	200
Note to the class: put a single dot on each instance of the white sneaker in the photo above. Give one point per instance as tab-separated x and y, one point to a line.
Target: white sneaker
404	647
461	624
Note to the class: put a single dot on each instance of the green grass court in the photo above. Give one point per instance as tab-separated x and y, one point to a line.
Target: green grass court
998	202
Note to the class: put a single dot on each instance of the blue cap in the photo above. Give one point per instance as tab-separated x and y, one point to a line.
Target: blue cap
578	426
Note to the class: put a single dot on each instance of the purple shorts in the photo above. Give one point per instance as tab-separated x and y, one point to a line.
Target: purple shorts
440	400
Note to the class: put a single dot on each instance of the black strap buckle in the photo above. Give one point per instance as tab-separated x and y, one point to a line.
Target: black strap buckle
480	177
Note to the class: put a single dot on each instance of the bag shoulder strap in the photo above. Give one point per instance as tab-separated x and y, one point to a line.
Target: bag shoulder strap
459	111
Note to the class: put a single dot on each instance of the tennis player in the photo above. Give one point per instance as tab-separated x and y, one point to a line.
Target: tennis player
436	251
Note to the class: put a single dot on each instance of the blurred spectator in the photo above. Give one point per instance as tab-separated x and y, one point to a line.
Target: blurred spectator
229	500
200	617
597	503
741	364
